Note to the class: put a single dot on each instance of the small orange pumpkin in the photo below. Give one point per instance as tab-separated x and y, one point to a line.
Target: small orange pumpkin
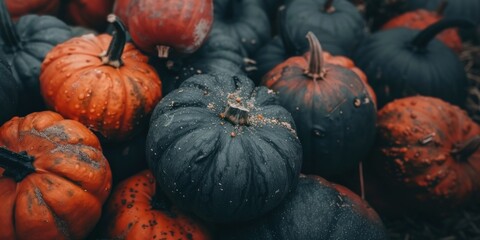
101	82
421	19
137	211
53	178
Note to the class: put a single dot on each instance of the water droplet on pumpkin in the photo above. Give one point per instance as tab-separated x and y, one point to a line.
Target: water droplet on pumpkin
81	96
77	106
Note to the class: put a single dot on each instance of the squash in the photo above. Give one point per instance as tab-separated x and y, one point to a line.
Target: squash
427	150
137	210
53	178
9	92
332	108
25	44
316	210
404	62
223	149
101	82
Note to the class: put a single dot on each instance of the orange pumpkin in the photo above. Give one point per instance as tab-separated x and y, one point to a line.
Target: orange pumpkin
19	8
421	19
53	178
101	82
89	13
427	150
137	211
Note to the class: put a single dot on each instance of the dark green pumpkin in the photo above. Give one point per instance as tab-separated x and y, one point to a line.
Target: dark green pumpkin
244	20
223	149
337	24
332	108
404	62
9	92
25	45
267	57
469	9
316	210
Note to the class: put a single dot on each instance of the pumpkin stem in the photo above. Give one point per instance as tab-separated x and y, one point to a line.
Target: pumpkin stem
113	56
315	62
462	152
7	30
236	114
441	8
422	39
328	6
16	165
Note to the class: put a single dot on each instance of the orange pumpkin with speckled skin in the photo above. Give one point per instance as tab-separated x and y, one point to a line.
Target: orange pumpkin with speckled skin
18	8
111	95
136	211
53	178
89	13
426	149
421	19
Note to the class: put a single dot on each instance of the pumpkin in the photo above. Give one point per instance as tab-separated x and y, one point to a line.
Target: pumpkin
267	57
19	8
420	19
404	62
136	210
182	25
332	108
53	178
121	8
9	92
244	20
459	8
101	82
316	210
337	23
427	150
89	13
25	45
126	158
223	149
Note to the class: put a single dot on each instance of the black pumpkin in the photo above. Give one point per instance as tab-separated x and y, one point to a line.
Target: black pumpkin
244	20
223	149
337	24
469	9
25	45
333	110
316	210
9	92
267	57
404	62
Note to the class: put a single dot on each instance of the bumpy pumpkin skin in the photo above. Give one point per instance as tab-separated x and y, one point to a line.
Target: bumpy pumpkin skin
35	37
112	101
414	153
223	167
89	13
19	8
63	197
334	114
421	19
9	92
316	210
179	24
137	211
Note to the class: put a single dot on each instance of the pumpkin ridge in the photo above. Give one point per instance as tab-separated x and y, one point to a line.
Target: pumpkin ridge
61	224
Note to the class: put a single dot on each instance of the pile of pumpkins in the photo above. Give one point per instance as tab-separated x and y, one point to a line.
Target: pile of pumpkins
231	119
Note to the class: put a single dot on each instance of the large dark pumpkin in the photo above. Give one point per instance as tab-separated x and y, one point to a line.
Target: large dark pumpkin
333	110
25	45
404	62
137	210
9	92
337	23
244	20
223	149
316	210
427	150
102	82
53	178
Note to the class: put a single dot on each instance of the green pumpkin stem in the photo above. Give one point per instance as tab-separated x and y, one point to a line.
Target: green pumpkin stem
316	61
7	30
441	8
462	152
328	6
16	165
422	39
113	56
236	114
